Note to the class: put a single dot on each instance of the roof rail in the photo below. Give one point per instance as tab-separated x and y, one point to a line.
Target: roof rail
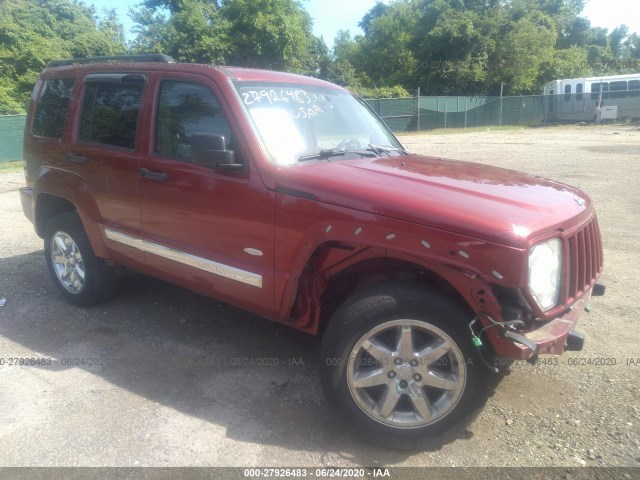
151	57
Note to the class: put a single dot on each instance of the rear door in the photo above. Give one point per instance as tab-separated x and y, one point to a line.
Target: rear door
107	149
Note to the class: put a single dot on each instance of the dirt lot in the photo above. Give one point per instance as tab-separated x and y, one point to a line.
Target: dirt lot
143	391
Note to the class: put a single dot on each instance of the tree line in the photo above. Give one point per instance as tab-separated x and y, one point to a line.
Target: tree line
446	47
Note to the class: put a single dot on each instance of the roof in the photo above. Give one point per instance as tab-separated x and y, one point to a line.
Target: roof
260	75
160	62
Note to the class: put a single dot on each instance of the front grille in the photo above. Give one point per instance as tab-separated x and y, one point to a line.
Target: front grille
585	260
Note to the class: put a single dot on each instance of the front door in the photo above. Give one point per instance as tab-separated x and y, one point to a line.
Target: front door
209	230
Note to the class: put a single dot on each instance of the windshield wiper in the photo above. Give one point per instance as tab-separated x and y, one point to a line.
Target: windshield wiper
326	154
386	149
322	154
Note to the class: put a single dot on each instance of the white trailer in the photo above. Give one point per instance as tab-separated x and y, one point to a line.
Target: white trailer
582	99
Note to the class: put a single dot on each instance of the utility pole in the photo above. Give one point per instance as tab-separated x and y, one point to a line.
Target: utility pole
599	105
466	112
546	105
500	116
418	109
445	115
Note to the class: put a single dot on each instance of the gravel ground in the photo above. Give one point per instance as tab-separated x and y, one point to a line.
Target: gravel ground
146	388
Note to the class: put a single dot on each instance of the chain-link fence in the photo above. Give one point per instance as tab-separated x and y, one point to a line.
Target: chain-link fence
11	134
427	113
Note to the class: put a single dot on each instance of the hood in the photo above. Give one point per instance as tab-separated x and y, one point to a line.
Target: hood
489	203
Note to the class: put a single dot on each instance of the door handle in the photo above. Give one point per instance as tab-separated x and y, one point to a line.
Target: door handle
158	176
72	157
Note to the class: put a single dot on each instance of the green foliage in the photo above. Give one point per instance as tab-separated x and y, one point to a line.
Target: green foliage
472	46
342	73
10	97
566	63
367	21
273	34
527	46
381	92
320	60
33	33
387	56
193	32
454	48
632	47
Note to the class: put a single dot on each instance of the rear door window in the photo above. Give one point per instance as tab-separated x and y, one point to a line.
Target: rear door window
110	113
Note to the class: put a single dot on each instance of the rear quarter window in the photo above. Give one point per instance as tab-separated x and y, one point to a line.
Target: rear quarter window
52	107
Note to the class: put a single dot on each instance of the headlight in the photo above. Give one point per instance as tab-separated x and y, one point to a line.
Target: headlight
545	266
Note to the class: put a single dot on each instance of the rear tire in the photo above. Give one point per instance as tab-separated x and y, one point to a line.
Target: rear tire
400	366
81	277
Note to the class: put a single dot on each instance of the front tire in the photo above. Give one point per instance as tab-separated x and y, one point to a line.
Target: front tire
400	367
81	277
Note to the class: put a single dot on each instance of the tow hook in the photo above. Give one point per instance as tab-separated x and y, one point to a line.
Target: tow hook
575	341
516	337
598	290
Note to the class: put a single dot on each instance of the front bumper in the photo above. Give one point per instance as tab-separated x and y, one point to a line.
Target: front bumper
26	198
550	338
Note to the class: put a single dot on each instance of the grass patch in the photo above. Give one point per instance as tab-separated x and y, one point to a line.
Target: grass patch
455	131
505	128
11	167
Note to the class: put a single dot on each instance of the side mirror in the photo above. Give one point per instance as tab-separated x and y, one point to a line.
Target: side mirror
210	150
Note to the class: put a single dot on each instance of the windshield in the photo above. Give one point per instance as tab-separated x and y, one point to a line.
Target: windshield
308	122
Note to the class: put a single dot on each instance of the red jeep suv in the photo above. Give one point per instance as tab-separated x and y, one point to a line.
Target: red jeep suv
287	196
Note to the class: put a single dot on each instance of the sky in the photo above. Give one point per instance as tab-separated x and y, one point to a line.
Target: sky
329	16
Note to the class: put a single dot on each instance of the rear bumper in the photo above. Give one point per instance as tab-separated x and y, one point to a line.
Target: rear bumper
26	198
